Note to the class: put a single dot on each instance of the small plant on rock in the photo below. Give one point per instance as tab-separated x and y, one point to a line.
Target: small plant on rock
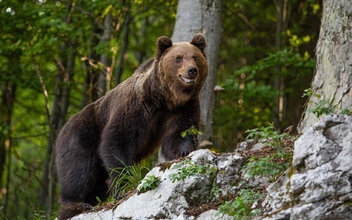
188	169
321	107
150	182
268	134
236	208
240	207
278	160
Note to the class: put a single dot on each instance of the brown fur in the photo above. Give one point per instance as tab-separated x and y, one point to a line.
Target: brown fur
149	109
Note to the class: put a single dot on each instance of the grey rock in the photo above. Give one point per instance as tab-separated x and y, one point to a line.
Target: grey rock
320	184
213	215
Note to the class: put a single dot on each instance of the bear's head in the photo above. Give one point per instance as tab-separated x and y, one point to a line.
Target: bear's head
182	67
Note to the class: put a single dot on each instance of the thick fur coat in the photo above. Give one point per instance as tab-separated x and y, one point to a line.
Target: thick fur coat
150	109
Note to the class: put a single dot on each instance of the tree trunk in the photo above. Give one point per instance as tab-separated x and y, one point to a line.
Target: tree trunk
333	77
8	92
202	17
105	76
122	52
90	84
279	5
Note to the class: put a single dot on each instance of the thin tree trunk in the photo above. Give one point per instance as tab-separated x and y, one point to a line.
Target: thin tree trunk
202	17
105	76
90	85
279	5
333	77
8	90
122	52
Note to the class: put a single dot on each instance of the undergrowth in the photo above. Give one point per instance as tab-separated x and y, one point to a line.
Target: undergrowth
271	161
322	106
128	178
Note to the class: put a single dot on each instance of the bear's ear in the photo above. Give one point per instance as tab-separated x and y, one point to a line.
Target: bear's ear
163	43
199	41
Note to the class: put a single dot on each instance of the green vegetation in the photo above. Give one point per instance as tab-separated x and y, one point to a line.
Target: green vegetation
191	131
128	179
268	133
240	207
278	161
149	182
270	162
188	169
322	107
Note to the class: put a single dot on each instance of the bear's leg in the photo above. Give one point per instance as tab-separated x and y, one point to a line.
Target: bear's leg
101	189
116	151
113	159
173	144
79	179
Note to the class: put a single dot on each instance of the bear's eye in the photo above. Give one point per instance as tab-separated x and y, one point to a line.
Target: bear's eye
178	59
195	58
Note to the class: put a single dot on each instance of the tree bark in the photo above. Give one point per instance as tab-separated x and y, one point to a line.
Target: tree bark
90	85
105	76
122	52
333	77
202	17
8	92
279	5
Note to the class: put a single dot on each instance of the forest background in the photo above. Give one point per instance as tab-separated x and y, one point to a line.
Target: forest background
58	56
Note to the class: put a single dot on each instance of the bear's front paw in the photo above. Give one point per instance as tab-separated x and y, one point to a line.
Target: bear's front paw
77	206
183	153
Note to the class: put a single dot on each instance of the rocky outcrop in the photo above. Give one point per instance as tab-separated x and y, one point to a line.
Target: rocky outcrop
170	199
318	184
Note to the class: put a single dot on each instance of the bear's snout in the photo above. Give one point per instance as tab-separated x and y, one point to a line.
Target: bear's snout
192	72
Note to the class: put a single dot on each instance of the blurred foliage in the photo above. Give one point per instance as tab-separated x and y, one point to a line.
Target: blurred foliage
31	35
251	63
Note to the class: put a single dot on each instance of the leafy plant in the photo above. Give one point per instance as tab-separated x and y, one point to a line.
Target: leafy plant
265	133
37	215
320	108
214	191
236	208
346	111
188	169
309	92
148	183
264	167
191	131
240	206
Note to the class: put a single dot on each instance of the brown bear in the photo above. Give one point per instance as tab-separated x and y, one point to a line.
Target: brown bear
150	109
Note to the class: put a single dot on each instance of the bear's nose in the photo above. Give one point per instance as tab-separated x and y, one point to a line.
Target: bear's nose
192	71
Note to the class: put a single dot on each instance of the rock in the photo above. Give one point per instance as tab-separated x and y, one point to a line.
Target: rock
229	166
250	145
170	200
320	183
213	215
